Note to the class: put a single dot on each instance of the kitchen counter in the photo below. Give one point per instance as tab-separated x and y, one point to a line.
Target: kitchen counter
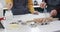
51	27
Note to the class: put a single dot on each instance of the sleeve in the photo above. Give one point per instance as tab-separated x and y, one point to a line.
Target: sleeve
30	6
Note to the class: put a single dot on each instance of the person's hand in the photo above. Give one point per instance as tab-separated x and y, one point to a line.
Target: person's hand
53	13
9	5
36	12
43	5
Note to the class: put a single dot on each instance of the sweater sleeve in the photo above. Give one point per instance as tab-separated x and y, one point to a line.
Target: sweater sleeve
30	6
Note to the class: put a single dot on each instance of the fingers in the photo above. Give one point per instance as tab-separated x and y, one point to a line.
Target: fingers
36	12
43	5
43	20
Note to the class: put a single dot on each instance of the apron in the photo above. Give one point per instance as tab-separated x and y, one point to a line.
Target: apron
20	7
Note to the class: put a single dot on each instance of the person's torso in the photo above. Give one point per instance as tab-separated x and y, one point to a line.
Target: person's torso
20	3
53	2
20	7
